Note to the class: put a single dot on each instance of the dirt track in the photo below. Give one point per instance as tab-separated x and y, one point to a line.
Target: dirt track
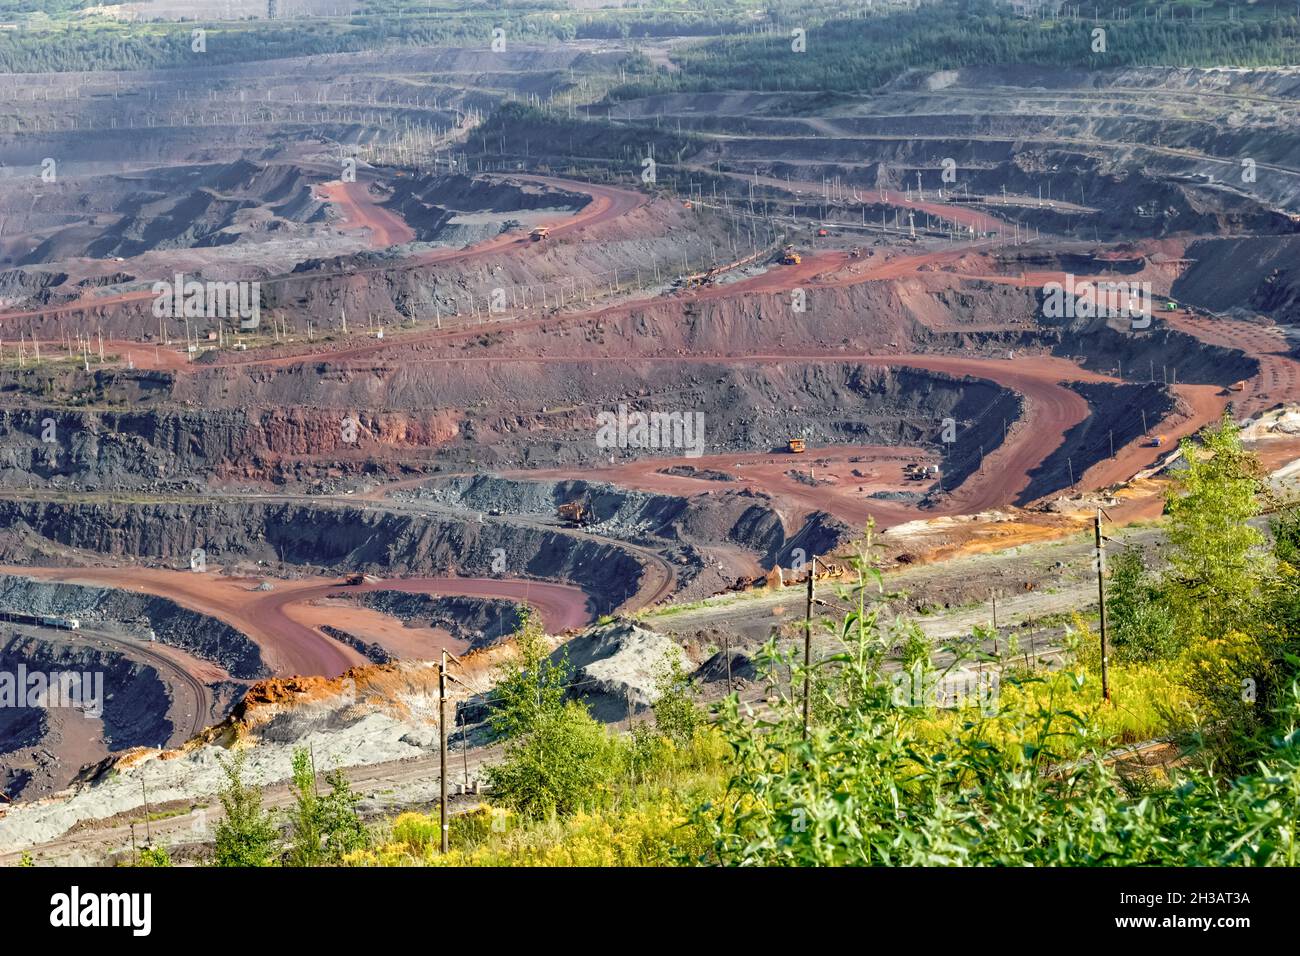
1052	409
360	211
289	646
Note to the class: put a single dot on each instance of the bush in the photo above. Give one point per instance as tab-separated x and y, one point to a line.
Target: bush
245	836
153	856
1141	626
1027	786
565	761
676	714
325	829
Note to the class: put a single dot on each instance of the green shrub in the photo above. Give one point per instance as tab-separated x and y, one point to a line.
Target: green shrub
565	761
246	836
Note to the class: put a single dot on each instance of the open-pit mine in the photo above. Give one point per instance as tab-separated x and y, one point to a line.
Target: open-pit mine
317	365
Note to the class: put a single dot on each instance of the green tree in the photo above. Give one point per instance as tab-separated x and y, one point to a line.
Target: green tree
1141	627
340	822
557	757
530	686
564	761
1217	562
304	817
677	716
324	828
246	836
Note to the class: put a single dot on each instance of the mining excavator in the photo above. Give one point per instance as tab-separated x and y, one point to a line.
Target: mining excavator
575	513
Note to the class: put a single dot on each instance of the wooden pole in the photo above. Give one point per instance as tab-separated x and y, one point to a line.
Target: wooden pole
442	751
807	651
148	832
1101	600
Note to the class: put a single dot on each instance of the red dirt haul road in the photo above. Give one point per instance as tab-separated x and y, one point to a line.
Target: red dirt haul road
360	211
1051	411
289	646
1051	408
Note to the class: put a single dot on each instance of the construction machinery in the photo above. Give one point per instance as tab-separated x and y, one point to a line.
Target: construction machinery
777	578
796	446
696	279
855	253
1155	441
789	257
575	513
829	569
541	232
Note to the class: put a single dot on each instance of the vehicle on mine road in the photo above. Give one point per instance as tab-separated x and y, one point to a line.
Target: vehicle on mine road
574	513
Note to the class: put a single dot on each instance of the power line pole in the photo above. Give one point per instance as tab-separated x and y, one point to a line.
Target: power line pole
443	677
1101	600
148	831
726	653
442	750
807	651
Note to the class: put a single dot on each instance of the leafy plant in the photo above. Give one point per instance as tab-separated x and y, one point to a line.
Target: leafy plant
677	716
1217	562
246	836
1141	625
564	760
529	687
153	856
324	828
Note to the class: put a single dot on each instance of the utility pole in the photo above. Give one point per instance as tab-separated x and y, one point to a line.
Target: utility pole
442	750
807	651
1101	600
726	653
148	832
443	677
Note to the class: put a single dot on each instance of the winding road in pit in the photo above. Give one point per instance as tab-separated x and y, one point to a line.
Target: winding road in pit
1052	409
288	645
